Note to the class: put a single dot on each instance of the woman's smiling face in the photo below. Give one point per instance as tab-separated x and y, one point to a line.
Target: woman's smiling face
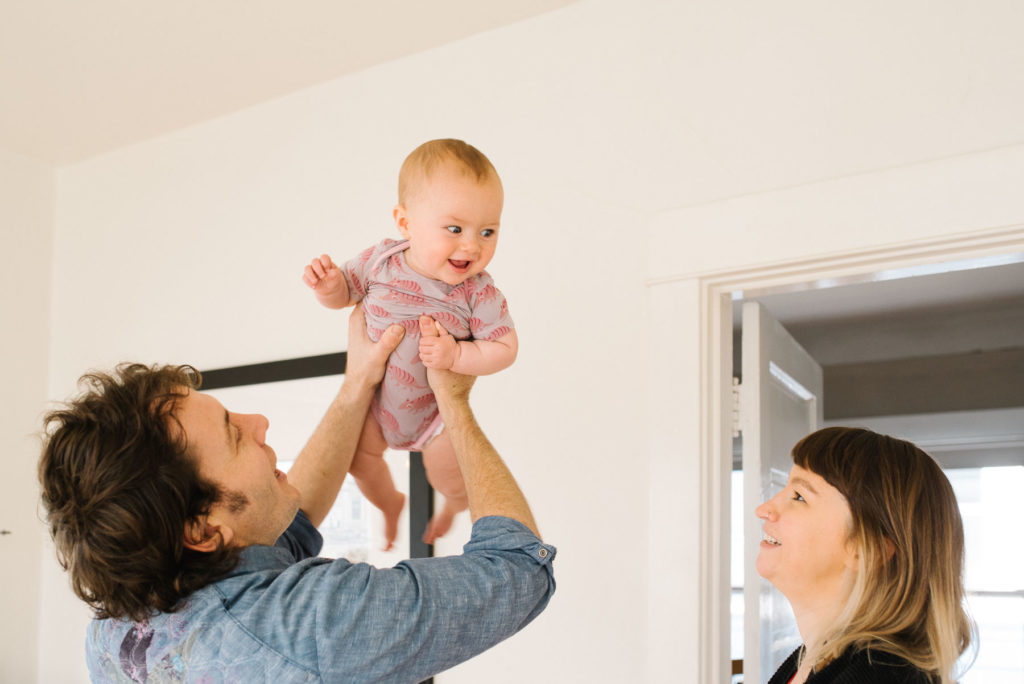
806	550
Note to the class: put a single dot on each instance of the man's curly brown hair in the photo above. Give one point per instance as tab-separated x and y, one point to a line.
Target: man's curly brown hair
119	487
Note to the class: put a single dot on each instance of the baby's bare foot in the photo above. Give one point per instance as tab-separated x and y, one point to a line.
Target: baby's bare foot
391	515
438	525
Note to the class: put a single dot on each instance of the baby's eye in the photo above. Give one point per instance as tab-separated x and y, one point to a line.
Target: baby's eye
454	229
487	232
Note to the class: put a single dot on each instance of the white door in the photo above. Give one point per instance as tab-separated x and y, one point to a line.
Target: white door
780	399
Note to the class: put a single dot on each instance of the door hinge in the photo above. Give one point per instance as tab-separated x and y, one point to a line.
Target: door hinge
737	426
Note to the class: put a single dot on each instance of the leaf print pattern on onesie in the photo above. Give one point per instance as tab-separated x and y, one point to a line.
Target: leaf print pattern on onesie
421	403
489	293
408	285
406	298
495	334
403	377
412	327
375	310
394	293
357	286
450	322
388	421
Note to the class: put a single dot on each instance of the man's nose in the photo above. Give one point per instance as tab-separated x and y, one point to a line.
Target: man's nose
259	424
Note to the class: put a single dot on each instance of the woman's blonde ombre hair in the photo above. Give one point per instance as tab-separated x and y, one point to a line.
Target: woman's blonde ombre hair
907	598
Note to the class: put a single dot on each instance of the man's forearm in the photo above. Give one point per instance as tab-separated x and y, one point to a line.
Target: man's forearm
321	466
490	486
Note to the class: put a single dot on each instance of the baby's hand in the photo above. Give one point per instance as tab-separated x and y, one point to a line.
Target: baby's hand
327	282
322	274
438	349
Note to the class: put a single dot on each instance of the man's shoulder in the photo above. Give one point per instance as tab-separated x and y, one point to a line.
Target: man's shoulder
225	631
123	650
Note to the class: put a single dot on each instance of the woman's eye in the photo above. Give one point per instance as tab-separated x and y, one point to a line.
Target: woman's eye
797	496
453	229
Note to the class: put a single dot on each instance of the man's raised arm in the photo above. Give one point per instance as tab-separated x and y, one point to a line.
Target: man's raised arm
489	484
321	466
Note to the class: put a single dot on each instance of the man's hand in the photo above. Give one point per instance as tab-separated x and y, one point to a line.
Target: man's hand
438	349
366	359
323	463
490	487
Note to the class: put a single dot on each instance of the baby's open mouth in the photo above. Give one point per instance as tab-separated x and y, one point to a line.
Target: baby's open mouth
458	264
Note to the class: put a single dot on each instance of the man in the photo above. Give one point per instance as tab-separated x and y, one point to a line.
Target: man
198	555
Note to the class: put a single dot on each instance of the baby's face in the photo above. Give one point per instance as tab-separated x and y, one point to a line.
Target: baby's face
451	221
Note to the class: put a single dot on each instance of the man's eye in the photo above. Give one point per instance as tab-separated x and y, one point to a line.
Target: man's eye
454	229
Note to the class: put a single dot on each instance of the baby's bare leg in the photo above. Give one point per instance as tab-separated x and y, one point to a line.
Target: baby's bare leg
373	476
444	475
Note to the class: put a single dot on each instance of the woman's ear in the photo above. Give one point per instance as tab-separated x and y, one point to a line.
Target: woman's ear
852	552
201	535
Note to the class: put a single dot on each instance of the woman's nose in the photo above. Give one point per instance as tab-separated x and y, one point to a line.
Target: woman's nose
765	510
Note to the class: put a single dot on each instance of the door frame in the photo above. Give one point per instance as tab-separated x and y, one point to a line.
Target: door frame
716	401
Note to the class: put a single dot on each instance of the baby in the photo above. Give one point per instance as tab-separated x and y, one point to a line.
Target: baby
448	212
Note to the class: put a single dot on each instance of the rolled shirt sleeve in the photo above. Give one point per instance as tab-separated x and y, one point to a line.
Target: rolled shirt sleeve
356	623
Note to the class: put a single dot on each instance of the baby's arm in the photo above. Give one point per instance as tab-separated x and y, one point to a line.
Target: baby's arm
328	283
438	349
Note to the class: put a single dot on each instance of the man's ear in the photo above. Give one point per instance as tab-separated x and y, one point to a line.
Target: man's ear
201	535
401	220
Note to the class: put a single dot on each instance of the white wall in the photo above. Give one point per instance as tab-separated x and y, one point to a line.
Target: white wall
26	235
627	141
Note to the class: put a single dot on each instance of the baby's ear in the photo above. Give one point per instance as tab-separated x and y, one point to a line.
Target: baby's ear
401	220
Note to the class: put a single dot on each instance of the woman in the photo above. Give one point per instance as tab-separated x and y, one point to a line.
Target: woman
867	544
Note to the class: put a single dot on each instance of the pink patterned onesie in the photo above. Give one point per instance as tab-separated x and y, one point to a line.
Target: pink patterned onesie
394	293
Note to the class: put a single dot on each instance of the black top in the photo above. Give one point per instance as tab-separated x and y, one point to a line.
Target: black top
857	667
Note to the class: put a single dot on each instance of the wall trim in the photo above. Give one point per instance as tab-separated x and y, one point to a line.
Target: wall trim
855	264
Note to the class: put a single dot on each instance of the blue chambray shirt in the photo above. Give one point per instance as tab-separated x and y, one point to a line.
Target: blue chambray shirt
284	615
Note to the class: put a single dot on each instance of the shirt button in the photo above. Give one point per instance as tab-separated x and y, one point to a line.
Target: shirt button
543	553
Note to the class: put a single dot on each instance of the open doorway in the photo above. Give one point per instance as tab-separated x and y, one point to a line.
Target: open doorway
933	354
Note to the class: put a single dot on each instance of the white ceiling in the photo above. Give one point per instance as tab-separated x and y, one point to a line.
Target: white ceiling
79	78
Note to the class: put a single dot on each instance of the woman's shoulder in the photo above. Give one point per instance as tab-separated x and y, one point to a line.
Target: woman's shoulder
871	665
